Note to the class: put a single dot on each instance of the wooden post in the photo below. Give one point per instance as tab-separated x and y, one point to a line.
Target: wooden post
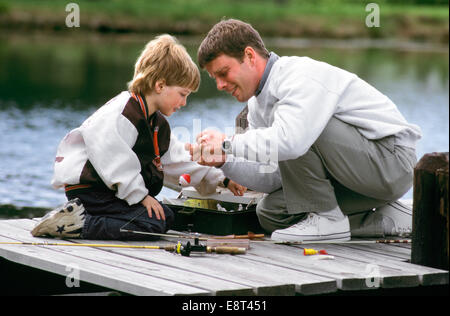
430	245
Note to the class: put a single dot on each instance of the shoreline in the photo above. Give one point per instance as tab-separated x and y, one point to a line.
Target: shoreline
389	43
410	25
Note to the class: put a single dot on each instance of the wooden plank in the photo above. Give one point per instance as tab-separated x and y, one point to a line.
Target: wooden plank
157	279
364	253
384	250
270	269
265	279
241	268
93	272
349	274
259	284
216	285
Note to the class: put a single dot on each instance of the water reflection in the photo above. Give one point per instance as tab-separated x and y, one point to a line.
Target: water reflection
50	85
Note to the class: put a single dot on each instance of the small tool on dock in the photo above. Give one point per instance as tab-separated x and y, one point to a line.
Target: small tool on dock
249	235
310	251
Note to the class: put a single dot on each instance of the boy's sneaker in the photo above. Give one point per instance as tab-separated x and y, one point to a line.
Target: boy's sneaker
64	221
393	219
315	228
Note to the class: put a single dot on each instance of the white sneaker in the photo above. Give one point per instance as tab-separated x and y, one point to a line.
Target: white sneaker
315	228
64	221
393	219
397	219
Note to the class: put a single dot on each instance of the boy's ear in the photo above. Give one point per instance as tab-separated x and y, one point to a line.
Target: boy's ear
159	85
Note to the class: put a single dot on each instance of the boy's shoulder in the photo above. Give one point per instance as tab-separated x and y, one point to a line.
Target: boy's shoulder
136	111
120	98
107	111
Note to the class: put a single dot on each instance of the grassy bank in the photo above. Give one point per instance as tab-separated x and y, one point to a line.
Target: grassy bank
288	18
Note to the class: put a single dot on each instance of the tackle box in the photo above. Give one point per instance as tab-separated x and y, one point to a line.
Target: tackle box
220	213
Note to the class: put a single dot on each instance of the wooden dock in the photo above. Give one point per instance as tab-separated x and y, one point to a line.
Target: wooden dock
266	269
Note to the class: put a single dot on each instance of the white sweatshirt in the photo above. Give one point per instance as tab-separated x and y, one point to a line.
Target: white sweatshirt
297	101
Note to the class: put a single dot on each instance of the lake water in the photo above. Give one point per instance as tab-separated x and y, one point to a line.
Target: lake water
49	85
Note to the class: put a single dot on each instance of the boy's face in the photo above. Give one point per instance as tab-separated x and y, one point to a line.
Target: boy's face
172	98
235	77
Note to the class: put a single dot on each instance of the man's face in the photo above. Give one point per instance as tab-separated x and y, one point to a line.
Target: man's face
238	78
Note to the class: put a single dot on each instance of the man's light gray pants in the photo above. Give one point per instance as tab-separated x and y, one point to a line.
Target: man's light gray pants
341	168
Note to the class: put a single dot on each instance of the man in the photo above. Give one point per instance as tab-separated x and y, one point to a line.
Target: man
338	145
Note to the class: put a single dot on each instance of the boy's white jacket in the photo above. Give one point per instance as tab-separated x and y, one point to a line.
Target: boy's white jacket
106	139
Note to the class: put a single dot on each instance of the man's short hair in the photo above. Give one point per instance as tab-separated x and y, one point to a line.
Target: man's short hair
164	58
230	37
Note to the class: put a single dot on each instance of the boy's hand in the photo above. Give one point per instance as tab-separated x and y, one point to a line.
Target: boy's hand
152	204
236	188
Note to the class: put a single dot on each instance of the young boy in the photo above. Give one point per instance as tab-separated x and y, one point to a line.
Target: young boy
114	164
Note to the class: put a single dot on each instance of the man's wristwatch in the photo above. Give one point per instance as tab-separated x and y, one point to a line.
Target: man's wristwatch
226	146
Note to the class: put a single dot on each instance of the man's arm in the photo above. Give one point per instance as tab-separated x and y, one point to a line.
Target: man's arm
256	176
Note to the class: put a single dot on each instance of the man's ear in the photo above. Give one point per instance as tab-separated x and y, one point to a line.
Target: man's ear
250	54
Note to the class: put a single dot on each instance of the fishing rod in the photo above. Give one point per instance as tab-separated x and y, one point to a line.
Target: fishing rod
198	236
257	238
341	242
179	248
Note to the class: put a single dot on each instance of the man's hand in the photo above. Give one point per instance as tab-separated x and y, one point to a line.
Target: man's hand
152	204
207	155
208	150
211	137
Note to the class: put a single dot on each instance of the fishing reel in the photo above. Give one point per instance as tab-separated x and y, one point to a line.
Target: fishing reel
187	248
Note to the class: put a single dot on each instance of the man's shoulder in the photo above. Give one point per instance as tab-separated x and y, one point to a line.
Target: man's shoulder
306	69
285	60
293	65
292	62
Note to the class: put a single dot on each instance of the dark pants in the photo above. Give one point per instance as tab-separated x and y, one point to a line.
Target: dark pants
107	214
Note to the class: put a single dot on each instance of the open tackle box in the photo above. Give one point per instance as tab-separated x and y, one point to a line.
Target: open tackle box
221	213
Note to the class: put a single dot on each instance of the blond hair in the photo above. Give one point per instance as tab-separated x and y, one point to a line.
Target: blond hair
164	58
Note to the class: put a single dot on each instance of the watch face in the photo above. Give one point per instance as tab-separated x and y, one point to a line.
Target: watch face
226	146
